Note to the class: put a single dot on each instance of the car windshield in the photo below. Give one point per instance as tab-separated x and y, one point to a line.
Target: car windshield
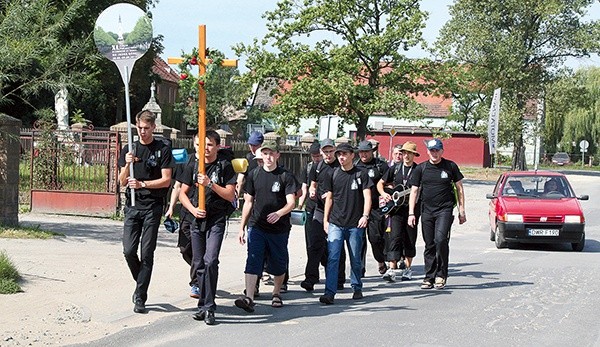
561	156
539	186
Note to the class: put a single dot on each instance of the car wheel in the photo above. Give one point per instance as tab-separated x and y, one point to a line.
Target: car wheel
492	235
499	238
578	246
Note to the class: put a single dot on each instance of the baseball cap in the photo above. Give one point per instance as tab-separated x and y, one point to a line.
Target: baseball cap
314	148
327	142
434	144
256	138
365	146
344	147
272	145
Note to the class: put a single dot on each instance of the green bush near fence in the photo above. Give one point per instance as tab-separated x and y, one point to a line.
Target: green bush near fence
69	177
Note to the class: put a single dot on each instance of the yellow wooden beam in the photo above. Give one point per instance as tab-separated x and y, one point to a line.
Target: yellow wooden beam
229	63
175	60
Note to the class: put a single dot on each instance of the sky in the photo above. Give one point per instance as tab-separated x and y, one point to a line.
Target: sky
229	22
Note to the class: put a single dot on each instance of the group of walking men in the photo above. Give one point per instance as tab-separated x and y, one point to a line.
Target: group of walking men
347	201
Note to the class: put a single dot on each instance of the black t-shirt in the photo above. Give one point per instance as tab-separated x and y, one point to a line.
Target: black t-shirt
269	190
177	173
435	181
153	157
252	164
221	173
348	199
375	169
321	173
310	204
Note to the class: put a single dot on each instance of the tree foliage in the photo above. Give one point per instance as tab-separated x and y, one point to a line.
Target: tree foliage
354	69
48	44
517	45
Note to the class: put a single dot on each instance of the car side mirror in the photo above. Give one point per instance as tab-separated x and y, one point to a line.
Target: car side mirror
490	196
583	197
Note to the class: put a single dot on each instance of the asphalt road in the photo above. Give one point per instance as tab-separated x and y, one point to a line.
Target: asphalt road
542	295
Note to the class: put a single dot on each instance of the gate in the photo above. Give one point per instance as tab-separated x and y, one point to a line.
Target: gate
71	172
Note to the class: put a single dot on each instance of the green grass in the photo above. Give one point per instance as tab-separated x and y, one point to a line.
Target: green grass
26	233
9	276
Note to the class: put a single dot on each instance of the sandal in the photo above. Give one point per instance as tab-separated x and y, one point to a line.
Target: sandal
426	284
276	301
245	303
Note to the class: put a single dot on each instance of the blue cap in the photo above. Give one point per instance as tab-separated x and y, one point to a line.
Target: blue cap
434	144
256	138
171	225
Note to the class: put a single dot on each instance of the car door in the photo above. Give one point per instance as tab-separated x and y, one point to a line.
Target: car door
494	201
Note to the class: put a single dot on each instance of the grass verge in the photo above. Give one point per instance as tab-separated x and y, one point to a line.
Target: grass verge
9	276
26	233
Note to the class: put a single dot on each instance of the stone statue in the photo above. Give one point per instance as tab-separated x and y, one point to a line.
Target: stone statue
61	107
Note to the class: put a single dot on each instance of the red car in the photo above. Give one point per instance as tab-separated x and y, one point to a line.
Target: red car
536	207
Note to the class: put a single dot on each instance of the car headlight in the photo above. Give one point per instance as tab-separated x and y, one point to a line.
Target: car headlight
572	219
514	218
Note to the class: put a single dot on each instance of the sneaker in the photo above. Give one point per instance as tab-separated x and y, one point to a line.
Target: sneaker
357	295
390	275
402	265
326	299
426	284
195	292
309	287
139	306
210	318
440	282
407	274
340	286
383	269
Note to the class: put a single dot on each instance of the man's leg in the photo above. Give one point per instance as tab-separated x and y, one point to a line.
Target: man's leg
335	243
132	231
198	241
443	224
429	253
148	245
208	284
354	237
316	248
375	230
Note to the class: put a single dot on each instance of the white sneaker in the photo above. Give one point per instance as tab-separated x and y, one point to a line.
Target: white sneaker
390	275
407	274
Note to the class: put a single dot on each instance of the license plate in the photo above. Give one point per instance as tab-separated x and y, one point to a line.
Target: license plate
543	232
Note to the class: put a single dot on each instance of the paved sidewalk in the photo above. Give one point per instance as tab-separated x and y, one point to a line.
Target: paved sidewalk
78	288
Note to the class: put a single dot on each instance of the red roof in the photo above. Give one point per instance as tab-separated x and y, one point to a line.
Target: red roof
162	69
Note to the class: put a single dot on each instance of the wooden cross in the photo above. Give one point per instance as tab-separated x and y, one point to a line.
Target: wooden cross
202	62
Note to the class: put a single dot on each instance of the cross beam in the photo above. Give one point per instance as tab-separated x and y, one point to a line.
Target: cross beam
202	62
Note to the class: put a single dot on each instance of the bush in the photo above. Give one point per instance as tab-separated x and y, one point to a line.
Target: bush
8	276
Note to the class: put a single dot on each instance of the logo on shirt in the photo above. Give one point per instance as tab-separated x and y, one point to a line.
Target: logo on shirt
276	187
214	178
371	173
354	185
444	174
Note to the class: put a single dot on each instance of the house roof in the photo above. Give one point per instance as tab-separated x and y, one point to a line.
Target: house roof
162	69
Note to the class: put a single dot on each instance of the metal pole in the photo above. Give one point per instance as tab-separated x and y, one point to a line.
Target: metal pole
129	134
201	110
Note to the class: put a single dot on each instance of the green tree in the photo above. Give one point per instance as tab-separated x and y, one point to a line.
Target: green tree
356	66
141	33
49	44
517	45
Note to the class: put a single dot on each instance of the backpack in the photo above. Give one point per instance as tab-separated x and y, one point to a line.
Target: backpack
378	164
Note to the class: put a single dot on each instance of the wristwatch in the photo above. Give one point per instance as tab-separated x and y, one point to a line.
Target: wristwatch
209	185
366	216
143	184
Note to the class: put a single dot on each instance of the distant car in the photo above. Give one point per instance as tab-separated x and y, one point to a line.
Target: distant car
536	207
561	158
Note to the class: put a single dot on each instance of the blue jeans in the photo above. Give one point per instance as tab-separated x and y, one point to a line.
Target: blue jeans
335	242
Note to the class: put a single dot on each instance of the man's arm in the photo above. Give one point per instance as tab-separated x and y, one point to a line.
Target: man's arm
412	202
462	216
302	198
248	202
174	196
380	188
364	220
327	210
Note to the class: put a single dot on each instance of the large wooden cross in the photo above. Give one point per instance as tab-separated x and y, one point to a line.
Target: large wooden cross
202	62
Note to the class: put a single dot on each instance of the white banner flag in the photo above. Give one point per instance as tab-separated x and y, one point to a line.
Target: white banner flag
493	121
